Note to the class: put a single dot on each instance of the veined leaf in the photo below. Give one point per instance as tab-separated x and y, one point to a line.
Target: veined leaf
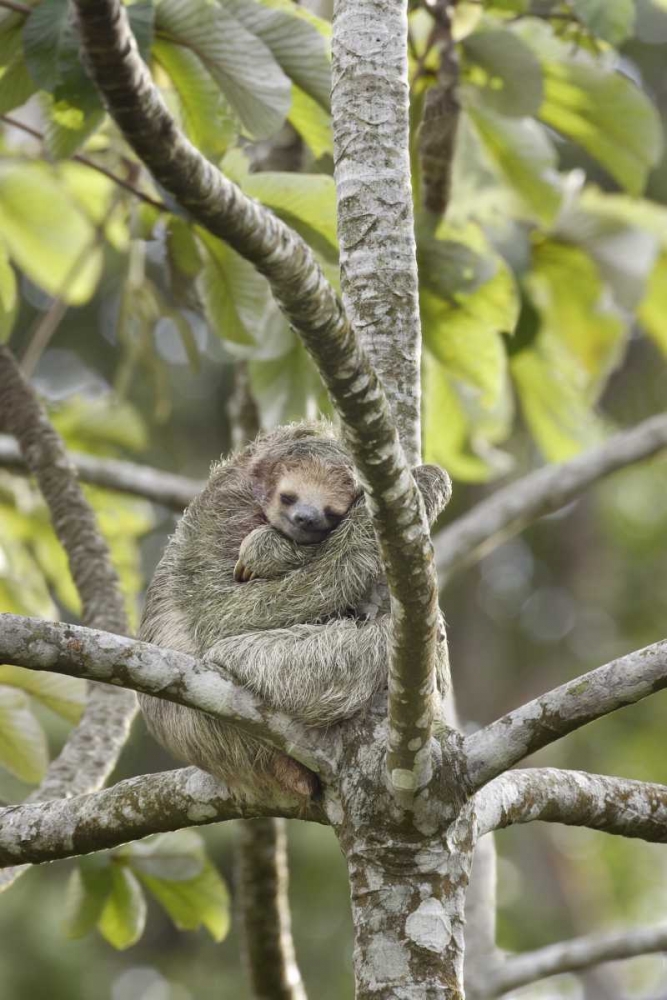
311	122
611	21
49	42
525	156
64	695
297	45
288	388
23	749
218	289
240	63
206	115
47	236
123	916
505	72
606	114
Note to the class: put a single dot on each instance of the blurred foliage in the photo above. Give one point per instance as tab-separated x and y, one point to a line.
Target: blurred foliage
544	312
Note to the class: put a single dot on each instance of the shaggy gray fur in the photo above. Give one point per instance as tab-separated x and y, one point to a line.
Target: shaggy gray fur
294	639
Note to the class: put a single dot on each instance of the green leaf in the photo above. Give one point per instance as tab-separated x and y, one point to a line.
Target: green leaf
66	696
8	297
653	310
610	20
607	115
504	72
49	42
206	116
101	426
311	122
565	286
449	266
87	890
16	83
526	158
202	901
172	857
23	749
288	388
218	287
123	916
67	125
239	62
297	43
47	236
307	202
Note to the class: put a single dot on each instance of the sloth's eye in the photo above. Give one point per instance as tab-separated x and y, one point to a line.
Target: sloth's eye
332	515
288	499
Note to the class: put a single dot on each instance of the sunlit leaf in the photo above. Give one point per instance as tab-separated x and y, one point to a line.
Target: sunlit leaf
23	749
67	125
307	202
8	295
47	236
606	114
123	916
240	63
504	72
64	695
202	901
611	20
312	123
525	156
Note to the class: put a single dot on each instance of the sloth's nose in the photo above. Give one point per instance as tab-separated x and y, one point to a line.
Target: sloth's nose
306	516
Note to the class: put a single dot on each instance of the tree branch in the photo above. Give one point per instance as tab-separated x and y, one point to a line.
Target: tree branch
152	803
624	681
164	488
573	955
313	309
92	748
511	509
165	673
380	285
263	878
619	806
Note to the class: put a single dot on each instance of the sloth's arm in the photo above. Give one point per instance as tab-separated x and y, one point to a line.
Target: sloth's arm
266	554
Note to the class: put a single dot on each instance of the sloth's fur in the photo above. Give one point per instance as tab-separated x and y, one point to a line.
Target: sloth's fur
294	639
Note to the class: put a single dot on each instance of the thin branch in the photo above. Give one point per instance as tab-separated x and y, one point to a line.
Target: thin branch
309	303
574	955
164	488
481	910
263	878
87	162
165	673
624	681
92	748
19	8
618	806
152	803
511	509
437	132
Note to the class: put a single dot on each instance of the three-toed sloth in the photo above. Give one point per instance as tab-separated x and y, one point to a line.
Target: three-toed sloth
269	574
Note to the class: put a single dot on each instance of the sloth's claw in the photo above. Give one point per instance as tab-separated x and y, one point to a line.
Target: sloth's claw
242	573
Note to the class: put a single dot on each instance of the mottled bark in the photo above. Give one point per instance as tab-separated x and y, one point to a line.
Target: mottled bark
380	287
165	673
440	118
263	883
576	798
624	681
153	803
318	317
509	510
164	488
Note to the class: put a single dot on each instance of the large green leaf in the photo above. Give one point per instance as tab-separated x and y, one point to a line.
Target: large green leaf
240	62
64	695
504	72
297	45
123	916
287	388
87	891
16	83
218	290
526	158
611	20
565	286
8	296
307	202
49	42
653	310
47	236
23	749
606	114
202	901
312	123
206	116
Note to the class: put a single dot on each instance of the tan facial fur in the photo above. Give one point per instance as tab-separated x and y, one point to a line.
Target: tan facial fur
307	498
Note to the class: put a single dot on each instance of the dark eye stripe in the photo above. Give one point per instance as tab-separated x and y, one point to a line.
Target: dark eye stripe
287	498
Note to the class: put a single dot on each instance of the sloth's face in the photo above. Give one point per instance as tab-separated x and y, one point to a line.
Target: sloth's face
306	507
